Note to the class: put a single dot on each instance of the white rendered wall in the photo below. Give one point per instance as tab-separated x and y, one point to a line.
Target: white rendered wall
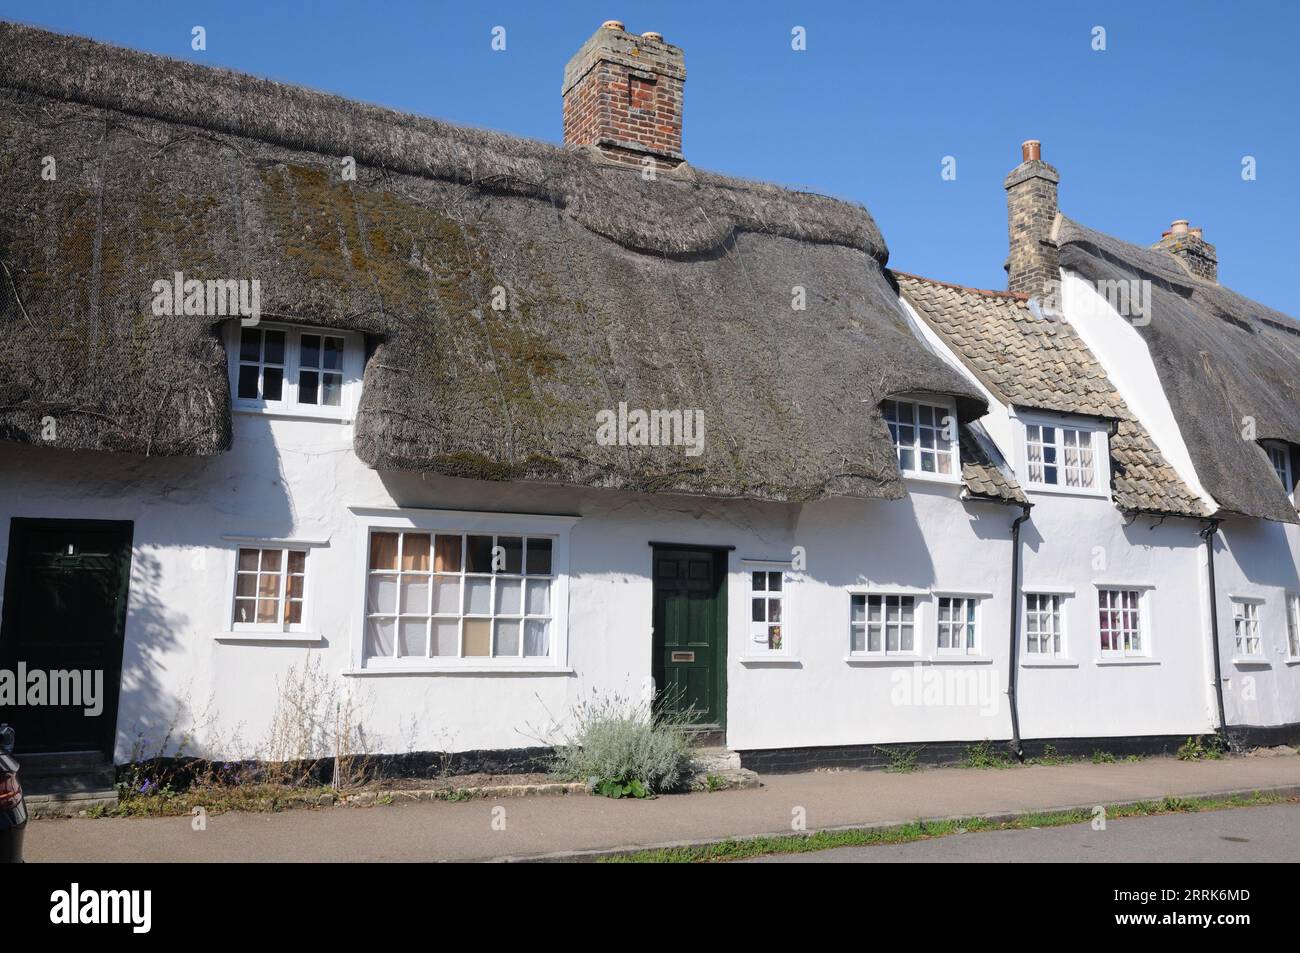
296	479
1257	560
1081	543
1254	559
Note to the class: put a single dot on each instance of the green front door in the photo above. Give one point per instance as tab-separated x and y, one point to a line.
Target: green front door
65	611
690	626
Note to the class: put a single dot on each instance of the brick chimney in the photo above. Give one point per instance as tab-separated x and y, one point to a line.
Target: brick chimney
623	93
1031	212
1187	245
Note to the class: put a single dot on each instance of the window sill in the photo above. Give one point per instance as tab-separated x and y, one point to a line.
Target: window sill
1066	491
471	669
954	659
942	479
884	659
1251	661
1049	663
1065	591
1292	661
789	660
283	414
1136	660
272	637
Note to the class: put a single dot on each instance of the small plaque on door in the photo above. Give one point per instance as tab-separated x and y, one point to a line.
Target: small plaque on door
683	656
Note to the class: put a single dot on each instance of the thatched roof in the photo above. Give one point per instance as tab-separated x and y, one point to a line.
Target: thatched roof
1223	361
666	294
1043	364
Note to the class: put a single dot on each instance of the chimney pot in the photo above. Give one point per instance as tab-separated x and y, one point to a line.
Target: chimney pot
1033	264
652	35
1189	246
612	25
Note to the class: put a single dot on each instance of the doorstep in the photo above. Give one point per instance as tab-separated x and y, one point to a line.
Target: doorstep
62	784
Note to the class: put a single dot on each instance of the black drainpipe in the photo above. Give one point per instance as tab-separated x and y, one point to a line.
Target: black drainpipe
1016	747
1207	534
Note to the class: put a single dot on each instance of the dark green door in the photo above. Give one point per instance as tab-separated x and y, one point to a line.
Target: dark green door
690	622
64	611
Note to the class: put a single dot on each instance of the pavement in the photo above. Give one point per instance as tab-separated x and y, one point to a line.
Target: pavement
1238	835
565	827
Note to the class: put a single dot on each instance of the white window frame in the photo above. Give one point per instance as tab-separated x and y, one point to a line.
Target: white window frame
1247	627
1293	626
383	519
1279	455
1144	629
303	631
918	624
287	406
1060	647
948	446
1099	434
976	602
754	651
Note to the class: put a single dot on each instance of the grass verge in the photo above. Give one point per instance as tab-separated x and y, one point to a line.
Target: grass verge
741	849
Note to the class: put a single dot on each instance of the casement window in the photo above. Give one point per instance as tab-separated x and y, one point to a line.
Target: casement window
767	611
957	630
882	624
459	595
1279	454
1245	629
1060	456
1293	625
1043	625
1063	454
1120	622
925	437
270	589
298	371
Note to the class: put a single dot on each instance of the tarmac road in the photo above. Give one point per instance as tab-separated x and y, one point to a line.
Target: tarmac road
1241	835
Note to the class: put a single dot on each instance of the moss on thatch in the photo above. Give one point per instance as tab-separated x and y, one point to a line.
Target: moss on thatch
674	293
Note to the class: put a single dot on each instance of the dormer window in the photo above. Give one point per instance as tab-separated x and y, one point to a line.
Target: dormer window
924	432
1279	454
295	371
1063	454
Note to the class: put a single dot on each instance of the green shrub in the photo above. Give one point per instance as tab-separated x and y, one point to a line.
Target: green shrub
1103	757
624	749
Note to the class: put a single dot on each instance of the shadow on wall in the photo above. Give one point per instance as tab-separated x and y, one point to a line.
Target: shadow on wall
843	537
181	508
179	592
1262	551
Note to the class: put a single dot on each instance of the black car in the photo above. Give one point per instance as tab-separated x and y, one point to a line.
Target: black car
13	813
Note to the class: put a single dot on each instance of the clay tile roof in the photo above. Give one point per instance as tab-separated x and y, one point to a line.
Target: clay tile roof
1043	364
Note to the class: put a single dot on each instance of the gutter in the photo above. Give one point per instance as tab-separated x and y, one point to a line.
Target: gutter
1014	669
1207	534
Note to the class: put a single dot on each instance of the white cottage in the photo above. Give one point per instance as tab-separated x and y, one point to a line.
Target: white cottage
480	426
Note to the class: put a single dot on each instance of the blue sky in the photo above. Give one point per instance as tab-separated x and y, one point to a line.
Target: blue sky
1151	129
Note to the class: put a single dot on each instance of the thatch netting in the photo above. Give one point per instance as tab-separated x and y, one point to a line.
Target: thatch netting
668	294
1229	366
